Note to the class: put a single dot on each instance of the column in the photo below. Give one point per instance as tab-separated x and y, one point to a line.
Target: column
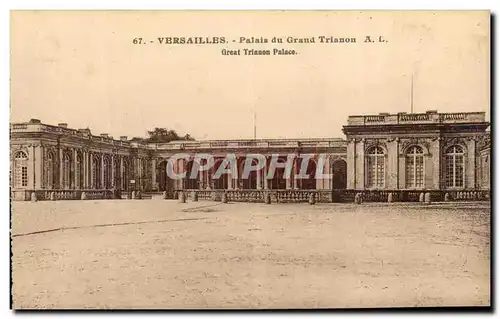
144	178
103	178
201	176
229	181
433	173
351	164
38	159
31	167
402	170
392	165
323	183
236	176
89	170
73	175
259	178
264	173
139	180
360	165
154	187
122	175
288	181
296	171
180	168
84	168
288	178
138	169
470	162
113	171
61	169
398	164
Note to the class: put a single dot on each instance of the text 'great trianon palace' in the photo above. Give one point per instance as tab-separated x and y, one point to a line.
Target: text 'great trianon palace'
405	155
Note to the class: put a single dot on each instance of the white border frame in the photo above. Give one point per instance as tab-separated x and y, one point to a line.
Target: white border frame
493	5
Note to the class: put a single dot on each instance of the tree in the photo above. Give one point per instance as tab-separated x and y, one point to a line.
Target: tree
163	135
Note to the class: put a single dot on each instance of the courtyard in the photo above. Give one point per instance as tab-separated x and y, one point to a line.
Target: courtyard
160	254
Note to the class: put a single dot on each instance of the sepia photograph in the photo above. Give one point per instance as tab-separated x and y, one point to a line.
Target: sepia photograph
250	160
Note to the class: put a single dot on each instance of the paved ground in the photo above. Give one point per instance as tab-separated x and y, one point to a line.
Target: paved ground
163	254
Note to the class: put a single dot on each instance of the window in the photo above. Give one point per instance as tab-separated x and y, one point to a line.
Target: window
117	177
20	170
375	168
415	167
454	166
96	171
107	173
125	174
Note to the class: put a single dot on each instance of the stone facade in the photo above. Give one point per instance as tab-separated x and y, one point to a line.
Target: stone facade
394	152
429	151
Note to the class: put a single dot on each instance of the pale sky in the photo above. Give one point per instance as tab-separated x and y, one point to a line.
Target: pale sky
83	69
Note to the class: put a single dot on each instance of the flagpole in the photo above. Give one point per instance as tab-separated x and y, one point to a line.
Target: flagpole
411	102
254	124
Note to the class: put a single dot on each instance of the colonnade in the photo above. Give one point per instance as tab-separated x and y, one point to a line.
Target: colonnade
256	179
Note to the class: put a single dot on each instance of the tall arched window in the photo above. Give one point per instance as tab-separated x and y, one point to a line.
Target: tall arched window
20	170
454	166
375	168
107	173
415	167
125	174
96	172
49	170
117	177
66	171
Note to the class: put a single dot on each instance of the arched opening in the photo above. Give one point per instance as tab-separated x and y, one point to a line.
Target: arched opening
277	181
339	174
96	172
106	183
117	178
221	182
20	170
125	174
165	183
190	182
310	181
250	181
66	171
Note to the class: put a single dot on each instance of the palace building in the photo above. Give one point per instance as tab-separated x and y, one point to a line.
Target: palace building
392	152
